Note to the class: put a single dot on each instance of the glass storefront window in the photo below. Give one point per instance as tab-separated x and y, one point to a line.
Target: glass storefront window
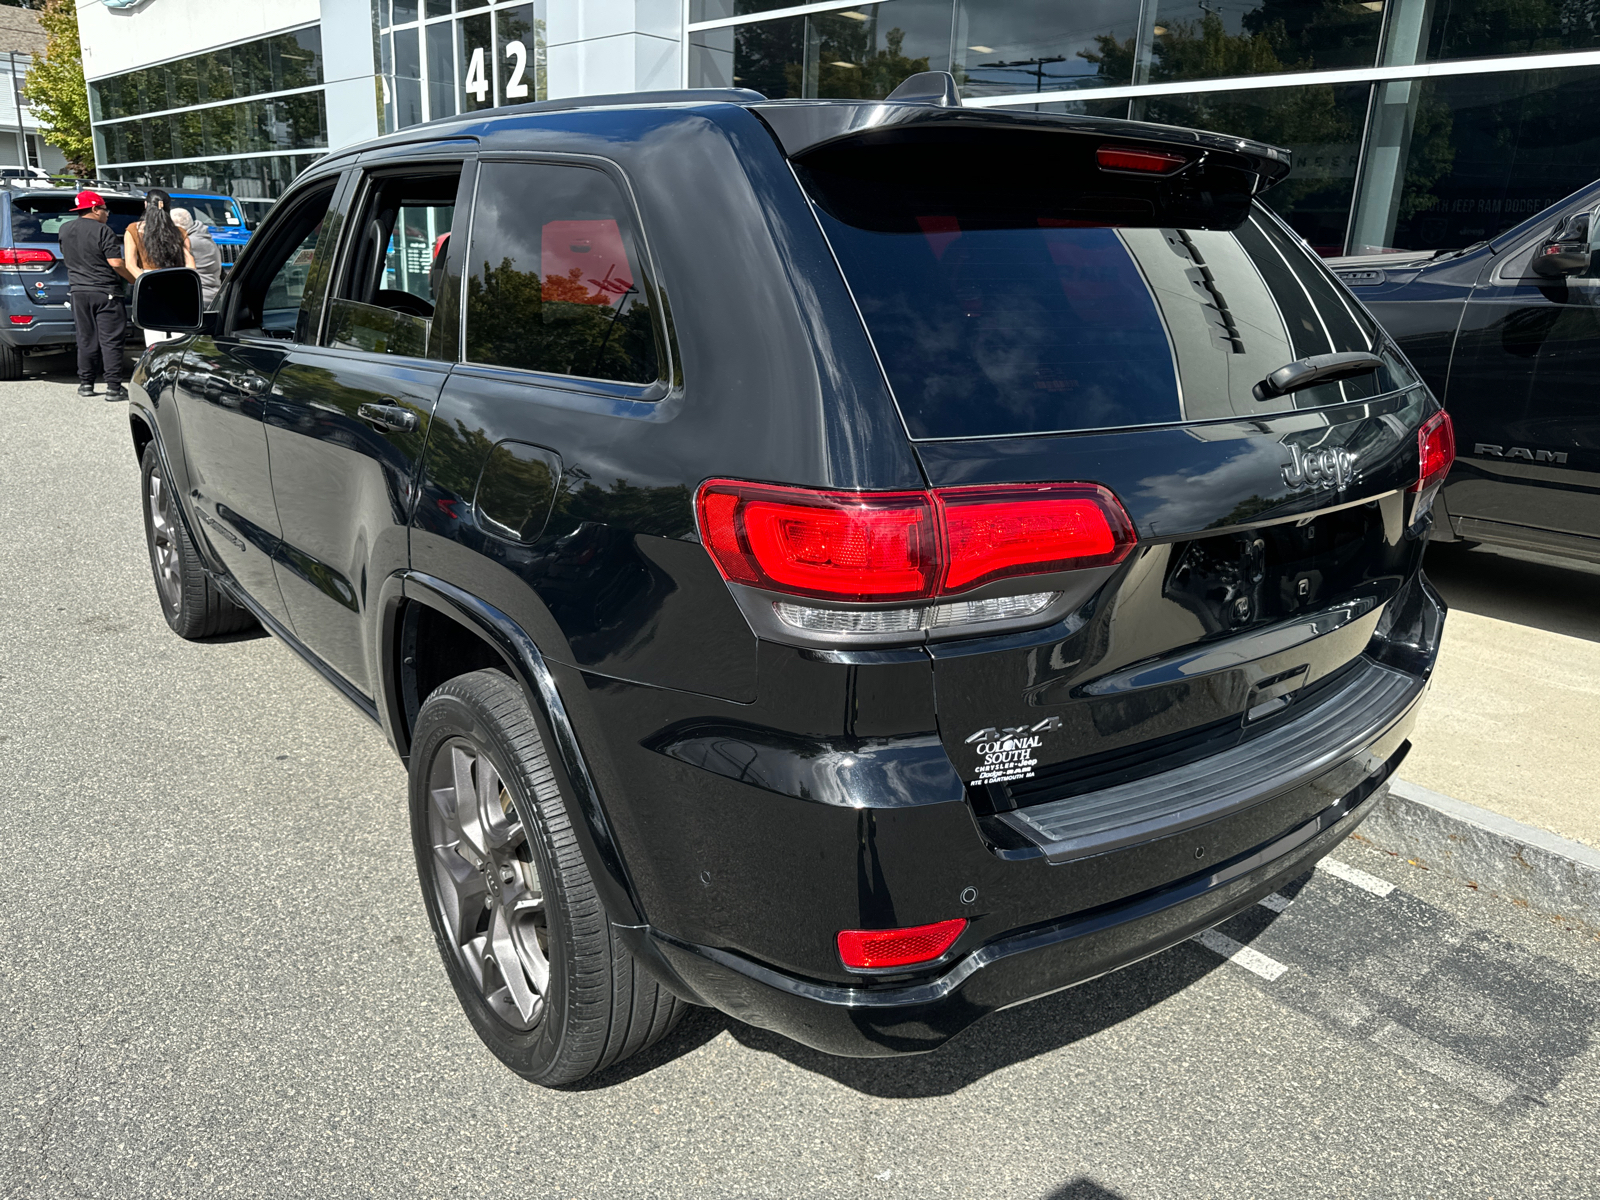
1321	125
476	57
1261	38
407	78
520	74
273	64
260	178
441	69
285	123
1454	160
1043	46
864	52
1486	28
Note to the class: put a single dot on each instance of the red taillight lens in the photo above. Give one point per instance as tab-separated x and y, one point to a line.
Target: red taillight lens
1134	158
865	949
1436	447
838	545
11	257
991	533
865	546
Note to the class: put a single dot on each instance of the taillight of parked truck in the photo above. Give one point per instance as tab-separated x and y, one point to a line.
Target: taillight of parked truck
877	547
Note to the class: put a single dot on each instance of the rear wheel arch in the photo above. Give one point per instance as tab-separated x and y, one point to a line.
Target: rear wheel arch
456	634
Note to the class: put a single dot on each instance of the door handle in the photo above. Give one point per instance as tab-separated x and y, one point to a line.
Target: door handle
390	417
250	385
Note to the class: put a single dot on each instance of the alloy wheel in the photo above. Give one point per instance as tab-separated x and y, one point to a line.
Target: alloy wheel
486	883
163	545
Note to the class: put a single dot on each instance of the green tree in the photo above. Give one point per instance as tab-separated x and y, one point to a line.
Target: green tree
55	87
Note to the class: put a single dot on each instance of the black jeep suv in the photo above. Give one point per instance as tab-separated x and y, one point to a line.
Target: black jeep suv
855	564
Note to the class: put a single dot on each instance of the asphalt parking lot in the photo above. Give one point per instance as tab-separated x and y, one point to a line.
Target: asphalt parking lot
218	979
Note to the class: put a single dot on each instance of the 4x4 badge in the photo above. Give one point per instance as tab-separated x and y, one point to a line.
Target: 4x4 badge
1319	468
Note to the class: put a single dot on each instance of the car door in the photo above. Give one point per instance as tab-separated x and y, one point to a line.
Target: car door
225	382
348	416
1521	389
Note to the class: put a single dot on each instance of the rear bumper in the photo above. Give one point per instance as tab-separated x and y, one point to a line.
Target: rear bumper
1020	966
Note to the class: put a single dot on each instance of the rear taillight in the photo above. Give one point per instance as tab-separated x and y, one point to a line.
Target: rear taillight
886	546
1436	450
837	545
26	260
1137	158
22	319
875	949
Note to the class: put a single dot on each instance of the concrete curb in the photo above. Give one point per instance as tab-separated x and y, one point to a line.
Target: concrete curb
1526	864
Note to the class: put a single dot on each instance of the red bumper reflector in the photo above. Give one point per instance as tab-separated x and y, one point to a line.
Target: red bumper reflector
1135	158
1436	448
868	948
24	319
878	546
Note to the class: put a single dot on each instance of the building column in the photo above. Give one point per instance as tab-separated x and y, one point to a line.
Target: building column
1388	143
350	78
597	47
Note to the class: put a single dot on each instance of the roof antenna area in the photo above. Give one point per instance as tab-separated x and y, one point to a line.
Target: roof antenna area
937	88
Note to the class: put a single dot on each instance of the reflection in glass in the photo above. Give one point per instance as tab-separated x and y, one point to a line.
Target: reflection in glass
407	78
1321	125
1211	41
521	74
273	64
1040	45
476	63
1452	161
1483	28
288	123
441	70
865	52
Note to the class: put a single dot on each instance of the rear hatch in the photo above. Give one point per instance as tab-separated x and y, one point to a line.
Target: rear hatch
36	221
1042	316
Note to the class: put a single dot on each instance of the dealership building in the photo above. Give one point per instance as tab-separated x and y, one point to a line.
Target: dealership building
1415	124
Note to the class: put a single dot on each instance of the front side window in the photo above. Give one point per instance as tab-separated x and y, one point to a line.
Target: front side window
553	281
393	278
277	295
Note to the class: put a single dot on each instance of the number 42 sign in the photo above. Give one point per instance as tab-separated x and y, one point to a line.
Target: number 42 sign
477	81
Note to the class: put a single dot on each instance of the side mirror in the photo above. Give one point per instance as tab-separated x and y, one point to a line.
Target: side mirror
169	301
1566	251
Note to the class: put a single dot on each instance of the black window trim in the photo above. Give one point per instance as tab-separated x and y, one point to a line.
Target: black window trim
666	367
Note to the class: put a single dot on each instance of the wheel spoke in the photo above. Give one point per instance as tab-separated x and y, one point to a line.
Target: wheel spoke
504	948
468	810
461	891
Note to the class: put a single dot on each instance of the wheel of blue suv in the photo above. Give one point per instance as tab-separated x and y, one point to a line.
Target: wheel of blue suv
193	606
521	929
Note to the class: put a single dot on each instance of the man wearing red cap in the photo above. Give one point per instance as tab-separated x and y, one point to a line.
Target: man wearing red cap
93	255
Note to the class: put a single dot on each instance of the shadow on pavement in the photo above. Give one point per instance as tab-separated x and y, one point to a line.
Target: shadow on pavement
998	1041
1537	590
1084	1188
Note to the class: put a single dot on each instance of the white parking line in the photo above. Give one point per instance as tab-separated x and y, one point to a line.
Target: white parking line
1277	902
1446	1064
1238	952
1355	875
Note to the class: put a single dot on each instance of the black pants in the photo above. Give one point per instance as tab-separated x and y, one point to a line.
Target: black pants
101	323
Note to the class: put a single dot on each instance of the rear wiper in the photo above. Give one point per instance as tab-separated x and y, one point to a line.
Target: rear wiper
1319	368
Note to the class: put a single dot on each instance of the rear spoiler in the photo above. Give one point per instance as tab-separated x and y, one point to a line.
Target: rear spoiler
926	102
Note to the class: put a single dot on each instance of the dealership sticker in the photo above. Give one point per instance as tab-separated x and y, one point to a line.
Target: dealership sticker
1006	755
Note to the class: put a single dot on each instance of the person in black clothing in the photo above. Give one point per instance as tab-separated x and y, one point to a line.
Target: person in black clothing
93	255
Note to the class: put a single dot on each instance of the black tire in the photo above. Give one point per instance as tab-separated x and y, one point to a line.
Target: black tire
10	361
598	1007
193	606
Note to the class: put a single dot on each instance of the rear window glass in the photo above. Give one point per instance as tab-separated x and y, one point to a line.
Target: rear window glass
40	218
210	210
553	280
1003	306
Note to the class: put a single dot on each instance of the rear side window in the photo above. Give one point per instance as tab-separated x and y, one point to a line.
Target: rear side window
1010	289
40	218
553	280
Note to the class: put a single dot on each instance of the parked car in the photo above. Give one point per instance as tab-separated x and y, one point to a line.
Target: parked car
1507	333
254	209
34	303
222	216
810	566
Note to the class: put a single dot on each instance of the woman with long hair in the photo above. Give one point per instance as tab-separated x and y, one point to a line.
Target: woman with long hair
155	244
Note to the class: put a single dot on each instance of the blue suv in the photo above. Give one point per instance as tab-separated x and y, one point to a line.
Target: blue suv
35	311
222	217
